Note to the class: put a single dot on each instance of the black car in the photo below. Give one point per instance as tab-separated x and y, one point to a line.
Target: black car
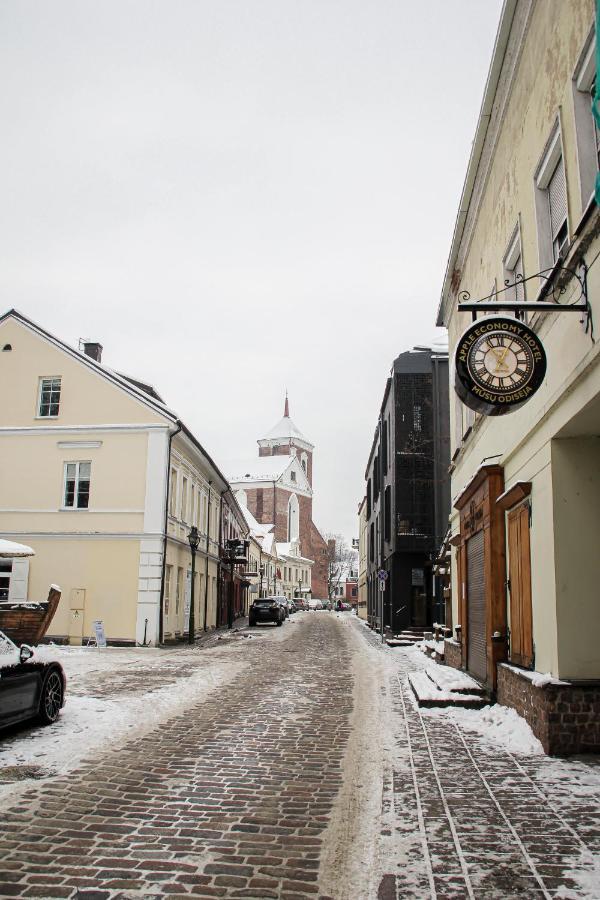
29	688
266	609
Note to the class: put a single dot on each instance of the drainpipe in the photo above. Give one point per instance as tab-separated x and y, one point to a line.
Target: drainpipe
165	527
207	554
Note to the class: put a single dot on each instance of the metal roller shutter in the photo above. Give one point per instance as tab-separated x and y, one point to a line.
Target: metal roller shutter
477	657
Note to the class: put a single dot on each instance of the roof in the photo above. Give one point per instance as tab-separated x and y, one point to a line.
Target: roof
133	387
255	527
285	549
284	428
261	468
485	114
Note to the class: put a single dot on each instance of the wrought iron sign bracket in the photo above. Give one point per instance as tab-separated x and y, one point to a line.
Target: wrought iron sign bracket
554	287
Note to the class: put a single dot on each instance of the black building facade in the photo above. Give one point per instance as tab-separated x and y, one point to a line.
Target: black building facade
408	491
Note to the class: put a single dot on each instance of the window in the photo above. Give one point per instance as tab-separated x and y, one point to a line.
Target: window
49	398
551	204
77	485
513	268
304	460
5	573
372	543
369	499
184	499
384	448
293	518
178	590
587	137
173	503
168	573
387	522
417	417
557	203
293	476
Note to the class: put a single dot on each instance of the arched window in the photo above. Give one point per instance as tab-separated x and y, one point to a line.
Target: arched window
293	519
242	498
304	462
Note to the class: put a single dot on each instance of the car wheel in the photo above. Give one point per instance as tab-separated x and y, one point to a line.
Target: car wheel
251	623
51	699
279	623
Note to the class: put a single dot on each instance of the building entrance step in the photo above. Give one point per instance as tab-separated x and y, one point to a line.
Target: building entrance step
428	694
448	679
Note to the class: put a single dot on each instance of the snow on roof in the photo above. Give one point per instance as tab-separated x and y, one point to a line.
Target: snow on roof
11	550
291	549
284	428
262	468
255	527
268	542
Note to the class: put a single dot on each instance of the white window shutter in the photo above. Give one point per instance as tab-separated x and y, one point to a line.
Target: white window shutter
557	196
17	591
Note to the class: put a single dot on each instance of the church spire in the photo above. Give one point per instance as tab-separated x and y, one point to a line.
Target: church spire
286	411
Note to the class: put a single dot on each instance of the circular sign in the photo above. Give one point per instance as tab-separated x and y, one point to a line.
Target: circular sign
499	365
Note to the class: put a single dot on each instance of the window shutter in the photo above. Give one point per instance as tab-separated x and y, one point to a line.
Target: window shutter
17	591
557	198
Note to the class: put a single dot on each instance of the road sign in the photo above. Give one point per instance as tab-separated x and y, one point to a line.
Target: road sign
382	575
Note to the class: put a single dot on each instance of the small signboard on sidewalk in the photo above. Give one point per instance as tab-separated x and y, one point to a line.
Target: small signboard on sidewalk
99	633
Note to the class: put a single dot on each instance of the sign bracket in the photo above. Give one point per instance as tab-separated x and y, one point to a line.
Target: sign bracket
548	300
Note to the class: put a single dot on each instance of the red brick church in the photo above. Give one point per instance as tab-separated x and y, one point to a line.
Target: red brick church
277	489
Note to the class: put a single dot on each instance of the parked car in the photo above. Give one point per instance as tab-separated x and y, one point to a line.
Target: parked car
302	603
30	688
285	603
313	604
266	609
293	605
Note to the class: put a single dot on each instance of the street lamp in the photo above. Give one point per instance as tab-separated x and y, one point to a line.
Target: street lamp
261	569
194	540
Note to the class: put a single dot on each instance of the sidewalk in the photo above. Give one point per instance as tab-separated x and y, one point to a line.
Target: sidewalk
473	809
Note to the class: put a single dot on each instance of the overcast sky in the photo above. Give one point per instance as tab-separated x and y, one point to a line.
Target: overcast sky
239	196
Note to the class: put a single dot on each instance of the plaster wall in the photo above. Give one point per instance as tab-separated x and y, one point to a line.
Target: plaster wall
87	398
576	484
541	94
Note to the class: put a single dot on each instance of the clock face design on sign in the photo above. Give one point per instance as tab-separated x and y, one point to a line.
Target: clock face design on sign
499	363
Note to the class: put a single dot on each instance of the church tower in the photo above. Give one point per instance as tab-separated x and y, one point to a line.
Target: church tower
286	439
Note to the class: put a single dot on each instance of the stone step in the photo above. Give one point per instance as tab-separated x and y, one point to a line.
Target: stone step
429	695
399	642
449	679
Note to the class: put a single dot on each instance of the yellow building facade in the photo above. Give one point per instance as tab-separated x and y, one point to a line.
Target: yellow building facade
104	482
526	485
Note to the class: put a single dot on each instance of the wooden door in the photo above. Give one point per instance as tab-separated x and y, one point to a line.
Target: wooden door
476	612
519	573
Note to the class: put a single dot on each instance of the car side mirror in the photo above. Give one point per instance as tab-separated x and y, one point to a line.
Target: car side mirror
25	653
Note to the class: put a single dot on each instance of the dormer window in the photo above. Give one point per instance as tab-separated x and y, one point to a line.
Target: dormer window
293	476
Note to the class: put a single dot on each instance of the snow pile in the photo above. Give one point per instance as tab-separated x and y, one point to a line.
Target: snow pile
541	680
498	725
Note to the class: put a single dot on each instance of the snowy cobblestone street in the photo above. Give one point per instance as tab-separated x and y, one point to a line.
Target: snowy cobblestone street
293	764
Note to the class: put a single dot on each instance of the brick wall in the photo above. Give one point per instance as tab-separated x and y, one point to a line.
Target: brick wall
452	653
565	717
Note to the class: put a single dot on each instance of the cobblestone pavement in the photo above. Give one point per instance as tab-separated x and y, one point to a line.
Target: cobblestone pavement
264	788
229	800
466	819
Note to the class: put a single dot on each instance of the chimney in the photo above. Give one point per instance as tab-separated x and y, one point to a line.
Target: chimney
93	350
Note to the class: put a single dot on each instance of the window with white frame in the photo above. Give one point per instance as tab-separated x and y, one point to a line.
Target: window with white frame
49	397
551	204
77	485
587	136
178	590
184	499
168	577
513	268
173	498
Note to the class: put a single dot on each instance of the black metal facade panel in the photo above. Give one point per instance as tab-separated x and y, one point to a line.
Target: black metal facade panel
477	655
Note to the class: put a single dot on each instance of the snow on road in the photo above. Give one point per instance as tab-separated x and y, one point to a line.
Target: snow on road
113	694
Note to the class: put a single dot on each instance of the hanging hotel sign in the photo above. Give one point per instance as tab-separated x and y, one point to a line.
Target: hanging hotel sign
499	365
